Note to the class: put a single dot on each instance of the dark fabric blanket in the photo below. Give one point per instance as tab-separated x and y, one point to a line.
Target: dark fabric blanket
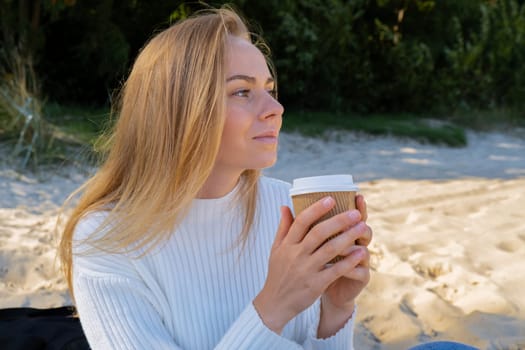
49	329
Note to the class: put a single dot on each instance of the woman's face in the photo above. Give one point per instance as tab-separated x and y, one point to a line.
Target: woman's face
253	115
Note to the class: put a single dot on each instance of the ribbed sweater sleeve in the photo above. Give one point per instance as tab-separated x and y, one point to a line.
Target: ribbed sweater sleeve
195	291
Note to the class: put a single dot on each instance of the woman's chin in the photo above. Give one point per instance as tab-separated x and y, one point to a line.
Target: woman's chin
268	163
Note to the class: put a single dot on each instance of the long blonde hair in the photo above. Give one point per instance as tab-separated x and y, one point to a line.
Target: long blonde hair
171	114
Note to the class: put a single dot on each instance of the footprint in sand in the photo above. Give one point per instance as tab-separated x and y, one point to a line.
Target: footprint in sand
509	246
429	267
435	270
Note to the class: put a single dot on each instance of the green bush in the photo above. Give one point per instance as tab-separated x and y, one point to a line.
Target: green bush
485	70
365	56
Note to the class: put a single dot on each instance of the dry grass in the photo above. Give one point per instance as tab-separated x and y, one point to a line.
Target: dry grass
21	121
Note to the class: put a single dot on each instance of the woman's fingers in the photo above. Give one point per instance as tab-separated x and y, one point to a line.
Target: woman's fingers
307	218
297	273
359	273
358	266
284	225
329	228
343	244
360	205
356	260
366	238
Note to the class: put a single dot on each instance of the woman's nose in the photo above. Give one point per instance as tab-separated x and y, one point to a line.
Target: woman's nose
271	107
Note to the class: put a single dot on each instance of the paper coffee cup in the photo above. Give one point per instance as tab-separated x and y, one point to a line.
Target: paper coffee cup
308	190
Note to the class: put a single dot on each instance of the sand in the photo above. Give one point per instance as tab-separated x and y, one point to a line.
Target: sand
448	255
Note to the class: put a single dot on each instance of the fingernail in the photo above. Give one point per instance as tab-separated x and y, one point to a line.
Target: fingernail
354	215
359	254
328	201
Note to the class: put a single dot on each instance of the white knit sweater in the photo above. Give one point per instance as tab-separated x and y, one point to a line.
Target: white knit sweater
196	290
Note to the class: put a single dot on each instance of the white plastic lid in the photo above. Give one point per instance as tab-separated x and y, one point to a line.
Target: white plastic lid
325	183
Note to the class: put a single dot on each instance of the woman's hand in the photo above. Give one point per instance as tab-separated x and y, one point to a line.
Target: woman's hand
337	302
297	273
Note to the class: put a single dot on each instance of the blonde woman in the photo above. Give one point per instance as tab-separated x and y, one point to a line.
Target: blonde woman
177	242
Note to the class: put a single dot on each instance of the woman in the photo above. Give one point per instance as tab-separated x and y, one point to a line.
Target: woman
177	241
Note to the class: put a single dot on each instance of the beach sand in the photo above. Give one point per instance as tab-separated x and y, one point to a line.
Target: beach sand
448	255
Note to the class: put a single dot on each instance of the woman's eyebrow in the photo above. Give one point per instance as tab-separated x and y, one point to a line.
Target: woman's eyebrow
248	78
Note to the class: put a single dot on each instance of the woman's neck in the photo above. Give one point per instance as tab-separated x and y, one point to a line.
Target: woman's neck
218	185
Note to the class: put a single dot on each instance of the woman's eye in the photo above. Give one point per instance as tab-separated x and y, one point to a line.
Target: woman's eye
241	93
273	93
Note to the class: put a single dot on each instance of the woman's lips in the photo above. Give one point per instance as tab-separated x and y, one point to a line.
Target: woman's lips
269	137
266	139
